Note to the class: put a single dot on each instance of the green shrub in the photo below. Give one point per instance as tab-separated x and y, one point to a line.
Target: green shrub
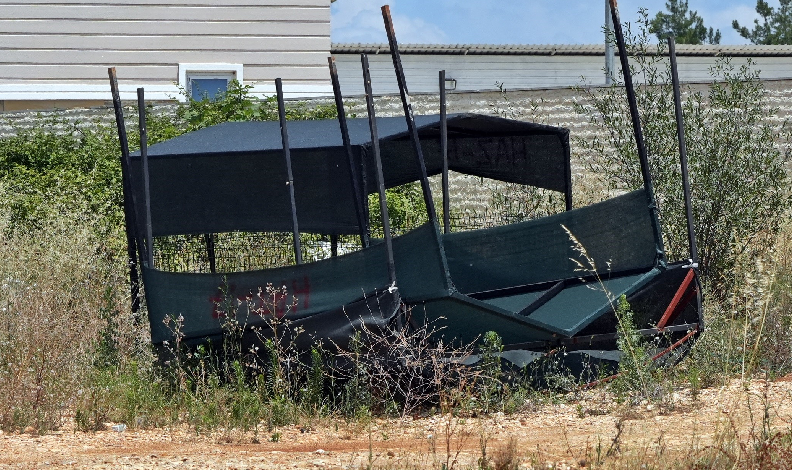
736	165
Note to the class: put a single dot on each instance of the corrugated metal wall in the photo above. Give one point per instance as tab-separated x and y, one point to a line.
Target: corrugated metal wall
481	68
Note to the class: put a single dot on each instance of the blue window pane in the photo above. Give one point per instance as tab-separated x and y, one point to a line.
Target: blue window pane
207	87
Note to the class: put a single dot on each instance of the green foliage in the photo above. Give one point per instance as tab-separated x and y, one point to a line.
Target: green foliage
406	209
687	26
635	366
59	163
490	366
775	27
736	165
235	104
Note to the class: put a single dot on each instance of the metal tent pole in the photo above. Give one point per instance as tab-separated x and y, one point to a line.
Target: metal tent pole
444	153
608	44
210	251
378	161
683	162
149	257
567	173
290	182
683	153
361	208
408	114
130	220
639	139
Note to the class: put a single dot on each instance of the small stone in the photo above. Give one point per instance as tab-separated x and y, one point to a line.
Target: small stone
29	430
319	451
391	453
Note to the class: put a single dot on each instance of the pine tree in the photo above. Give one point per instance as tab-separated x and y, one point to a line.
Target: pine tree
687	26
775	26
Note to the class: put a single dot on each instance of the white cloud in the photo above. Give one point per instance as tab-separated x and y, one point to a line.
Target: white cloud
361	21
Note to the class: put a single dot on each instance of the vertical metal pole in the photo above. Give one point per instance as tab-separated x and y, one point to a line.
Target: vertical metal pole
149	257
210	251
129	206
361	206
408	114
444	153
683	152
378	161
289	174
567	173
639	139
608	44
334	245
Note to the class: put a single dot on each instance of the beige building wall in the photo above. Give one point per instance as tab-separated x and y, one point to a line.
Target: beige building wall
59	52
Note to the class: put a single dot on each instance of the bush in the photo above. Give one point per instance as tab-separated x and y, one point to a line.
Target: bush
736	165
58	292
58	162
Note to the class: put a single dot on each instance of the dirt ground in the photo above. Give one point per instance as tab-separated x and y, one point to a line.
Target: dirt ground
571	434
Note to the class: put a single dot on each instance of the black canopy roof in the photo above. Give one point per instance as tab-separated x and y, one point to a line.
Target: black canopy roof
232	176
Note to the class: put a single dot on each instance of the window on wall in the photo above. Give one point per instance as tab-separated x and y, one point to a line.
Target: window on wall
202	86
207	80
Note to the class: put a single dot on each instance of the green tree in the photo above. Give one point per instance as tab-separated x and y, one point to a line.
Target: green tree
687	26
735	154
775	26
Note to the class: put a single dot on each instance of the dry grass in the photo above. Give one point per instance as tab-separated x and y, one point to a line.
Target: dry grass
59	289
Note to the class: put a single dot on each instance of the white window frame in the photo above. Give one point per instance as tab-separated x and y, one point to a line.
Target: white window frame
208	70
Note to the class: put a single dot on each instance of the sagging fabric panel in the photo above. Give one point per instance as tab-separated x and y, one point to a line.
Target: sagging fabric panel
616	234
318	287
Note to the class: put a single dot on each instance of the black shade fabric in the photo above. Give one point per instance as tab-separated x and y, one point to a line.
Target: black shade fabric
231	177
616	235
316	287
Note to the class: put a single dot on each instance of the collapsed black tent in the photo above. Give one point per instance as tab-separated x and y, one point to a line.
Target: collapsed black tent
521	280
230	177
539	284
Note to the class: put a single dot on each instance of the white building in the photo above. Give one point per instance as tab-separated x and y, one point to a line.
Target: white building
56	53
477	67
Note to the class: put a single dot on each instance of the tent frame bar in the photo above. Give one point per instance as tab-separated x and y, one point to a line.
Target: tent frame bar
408	114
290	181
444	153
683	161
361	208
130	221
372	119
639	138
148	259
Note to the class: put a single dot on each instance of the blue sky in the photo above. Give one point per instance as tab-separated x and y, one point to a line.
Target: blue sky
514	21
